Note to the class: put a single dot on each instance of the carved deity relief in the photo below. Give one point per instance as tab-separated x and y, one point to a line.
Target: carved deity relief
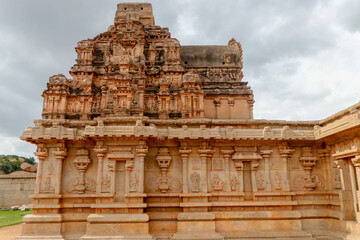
218	184
234	183
133	182
106	183
48	187
195	182
337	180
260	181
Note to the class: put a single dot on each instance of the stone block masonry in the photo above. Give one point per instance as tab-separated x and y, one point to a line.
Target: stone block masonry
154	140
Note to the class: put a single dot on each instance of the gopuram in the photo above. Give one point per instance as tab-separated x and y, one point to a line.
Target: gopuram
154	140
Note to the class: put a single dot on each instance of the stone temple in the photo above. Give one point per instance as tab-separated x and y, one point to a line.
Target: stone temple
154	140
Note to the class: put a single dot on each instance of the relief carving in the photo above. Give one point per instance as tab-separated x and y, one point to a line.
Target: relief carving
85	185
154	184
48	187
234	183
218	184
133	182
195	182
106	183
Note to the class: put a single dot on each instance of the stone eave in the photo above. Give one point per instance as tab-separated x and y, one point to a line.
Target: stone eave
342	121
169	129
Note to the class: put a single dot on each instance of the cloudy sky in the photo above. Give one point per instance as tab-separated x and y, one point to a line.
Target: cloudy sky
301	58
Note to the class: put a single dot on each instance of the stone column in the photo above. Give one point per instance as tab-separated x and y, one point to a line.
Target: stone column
231	106
141	152
217	106
42	154
254	167
129	165
60	155
285	154
100	151
356	163
240	169
324	155
346	195
227	156
266	156
203	151
184	154
251	106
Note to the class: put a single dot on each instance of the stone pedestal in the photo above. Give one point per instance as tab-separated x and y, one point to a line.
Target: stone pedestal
44	226
193	226
117	226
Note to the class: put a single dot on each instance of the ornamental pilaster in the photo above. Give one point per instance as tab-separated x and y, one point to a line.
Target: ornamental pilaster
42	153
60	154
184	154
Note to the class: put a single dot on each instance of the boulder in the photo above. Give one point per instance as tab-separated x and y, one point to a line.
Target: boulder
24	208
28	167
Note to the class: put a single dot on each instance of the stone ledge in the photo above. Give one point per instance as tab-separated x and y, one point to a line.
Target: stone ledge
118	218
42	218
199	216
257	215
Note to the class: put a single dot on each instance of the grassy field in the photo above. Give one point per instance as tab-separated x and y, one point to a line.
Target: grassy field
8	218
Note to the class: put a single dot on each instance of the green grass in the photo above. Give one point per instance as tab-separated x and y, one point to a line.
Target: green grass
8	218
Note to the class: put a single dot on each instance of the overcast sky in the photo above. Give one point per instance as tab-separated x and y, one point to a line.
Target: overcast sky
301	58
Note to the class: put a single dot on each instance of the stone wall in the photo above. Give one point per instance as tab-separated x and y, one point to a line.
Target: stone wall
16	190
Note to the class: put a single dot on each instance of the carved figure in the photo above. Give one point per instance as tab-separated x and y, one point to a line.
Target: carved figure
133	182
218	184
195	182
234	183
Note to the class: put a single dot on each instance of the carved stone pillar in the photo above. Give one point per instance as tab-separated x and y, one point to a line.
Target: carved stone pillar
251	107
42	154
324	155
231	106
60	155
254	167
346	194
184	154
163	159
240	169
227	156
217	103
285	153
356	163
100	151
266	156
129	165
204	154
82	162
141	152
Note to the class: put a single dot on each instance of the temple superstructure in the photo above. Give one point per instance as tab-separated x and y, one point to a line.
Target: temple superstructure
154	140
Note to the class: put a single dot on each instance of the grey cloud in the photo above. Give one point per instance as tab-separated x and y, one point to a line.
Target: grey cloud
38	39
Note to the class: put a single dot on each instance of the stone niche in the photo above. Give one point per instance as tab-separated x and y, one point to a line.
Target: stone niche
153	140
